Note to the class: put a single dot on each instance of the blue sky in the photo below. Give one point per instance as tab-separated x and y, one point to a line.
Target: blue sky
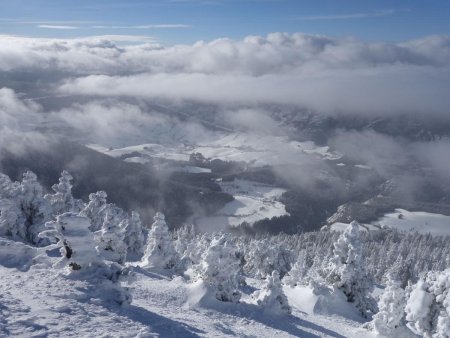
186	21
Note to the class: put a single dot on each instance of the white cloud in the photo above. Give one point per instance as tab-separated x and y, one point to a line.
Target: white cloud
387	90
154	26
57	27
18	123
320	73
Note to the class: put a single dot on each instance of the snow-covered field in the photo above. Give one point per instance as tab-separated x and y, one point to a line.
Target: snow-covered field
254	149
252	202
404	221
423	222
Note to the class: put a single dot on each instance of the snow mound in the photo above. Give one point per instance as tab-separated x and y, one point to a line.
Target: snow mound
16	254
325	301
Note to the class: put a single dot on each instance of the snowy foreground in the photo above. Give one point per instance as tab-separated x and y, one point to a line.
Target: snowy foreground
70	268
42	302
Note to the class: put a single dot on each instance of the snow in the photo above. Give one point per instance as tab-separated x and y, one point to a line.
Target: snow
302	298
404	220
419	303
254	149
140	160
363	166
423	222
191	169
261	150
41	301
253	202
340	227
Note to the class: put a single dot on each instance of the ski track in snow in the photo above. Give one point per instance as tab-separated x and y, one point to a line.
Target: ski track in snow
41	302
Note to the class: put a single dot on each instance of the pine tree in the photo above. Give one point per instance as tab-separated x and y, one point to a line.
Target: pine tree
298	272
95	210
110	238
62	200
220	269
134	235
391	308
34	208
271	297
347	270
160	251
11	221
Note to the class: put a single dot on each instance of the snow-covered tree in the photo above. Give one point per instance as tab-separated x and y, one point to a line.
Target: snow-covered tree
134	235
110	237
347	270
61	200
75	239
298	272
428	306
220	269
79	254
8	188
23	208
264	257
11	221
34	209
271	297
95	210
160	251
183	236
391	309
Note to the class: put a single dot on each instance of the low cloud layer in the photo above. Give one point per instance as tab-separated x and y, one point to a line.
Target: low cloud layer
328	75
19	121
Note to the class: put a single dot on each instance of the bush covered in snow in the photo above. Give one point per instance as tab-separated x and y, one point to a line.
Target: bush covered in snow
428	307
391	309
271	297
75	240
220	269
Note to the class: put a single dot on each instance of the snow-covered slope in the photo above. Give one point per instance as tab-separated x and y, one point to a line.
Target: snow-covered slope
404	220
423	222
42	302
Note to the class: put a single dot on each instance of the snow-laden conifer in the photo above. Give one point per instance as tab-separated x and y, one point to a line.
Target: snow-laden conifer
134	235
347	270
23	208
160	251
391	308
95	210
61	200
220	269
110	237
296	276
